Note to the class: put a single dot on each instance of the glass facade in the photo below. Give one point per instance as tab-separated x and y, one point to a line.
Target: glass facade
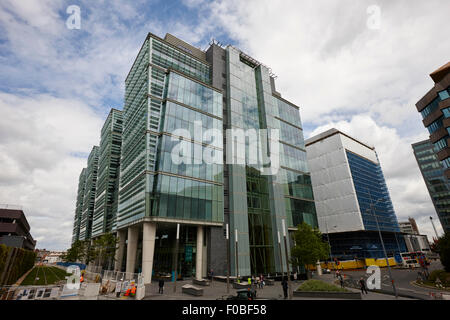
106	199
438	123
283	195
79	206
372	193
173	94
89	195
437	184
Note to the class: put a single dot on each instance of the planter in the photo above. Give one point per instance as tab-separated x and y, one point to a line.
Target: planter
192	290
328	294
201	282
241	285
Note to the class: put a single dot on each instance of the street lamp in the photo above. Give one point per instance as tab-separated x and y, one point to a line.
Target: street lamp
328	237
381	239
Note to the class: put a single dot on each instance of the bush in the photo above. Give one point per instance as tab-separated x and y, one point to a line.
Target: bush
444	251
436	274
317	285
24	261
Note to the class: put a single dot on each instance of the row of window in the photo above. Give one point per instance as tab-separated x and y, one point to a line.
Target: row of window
178	117
293	158
194	94
167	57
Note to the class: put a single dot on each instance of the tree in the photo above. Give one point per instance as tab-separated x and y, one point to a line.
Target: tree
76	253
443	245
103	250
309	246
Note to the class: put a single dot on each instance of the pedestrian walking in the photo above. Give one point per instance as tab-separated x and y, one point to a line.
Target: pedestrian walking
341	280
362	284
161	286
284	284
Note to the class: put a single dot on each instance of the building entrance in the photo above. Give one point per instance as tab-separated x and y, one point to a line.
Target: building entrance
165	244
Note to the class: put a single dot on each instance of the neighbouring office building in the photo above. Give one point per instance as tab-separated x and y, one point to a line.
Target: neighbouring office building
352	199
87	212
433	173
14	228
79	206
435	110
171	86
413	239
107	185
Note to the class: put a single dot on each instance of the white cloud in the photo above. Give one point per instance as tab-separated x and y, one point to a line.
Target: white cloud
39	136
328	60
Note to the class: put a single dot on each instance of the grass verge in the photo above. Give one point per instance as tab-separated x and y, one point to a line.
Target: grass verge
318	285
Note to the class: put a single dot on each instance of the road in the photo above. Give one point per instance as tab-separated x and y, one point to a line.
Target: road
402	279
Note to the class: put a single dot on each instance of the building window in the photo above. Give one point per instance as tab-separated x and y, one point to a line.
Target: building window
445	94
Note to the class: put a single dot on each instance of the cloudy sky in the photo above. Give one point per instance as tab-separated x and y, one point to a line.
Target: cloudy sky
358	65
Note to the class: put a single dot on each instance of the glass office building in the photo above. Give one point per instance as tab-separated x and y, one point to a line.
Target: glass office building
435	110
352	198
437	184
79	206
180	177
107	187
89	196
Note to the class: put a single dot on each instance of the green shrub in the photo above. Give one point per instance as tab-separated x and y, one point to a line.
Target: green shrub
317	285
23	261
436	274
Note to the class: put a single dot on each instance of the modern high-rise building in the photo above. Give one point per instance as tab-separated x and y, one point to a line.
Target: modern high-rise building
433	173
173	86
107	186
79	206
435	110
89	196
352	199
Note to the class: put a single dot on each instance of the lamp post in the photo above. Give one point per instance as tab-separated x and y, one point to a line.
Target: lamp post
437	236
227	235
281	255
237	257
381	239
287	259
328	237
175	265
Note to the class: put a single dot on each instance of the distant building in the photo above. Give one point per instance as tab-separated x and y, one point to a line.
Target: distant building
413	239
433	173
409	226
53	257
14	228
349	188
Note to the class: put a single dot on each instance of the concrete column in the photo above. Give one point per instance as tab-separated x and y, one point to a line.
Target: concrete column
148	250
133	236
199	254
121	234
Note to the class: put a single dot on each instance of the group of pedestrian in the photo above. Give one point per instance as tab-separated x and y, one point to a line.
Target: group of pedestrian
256	282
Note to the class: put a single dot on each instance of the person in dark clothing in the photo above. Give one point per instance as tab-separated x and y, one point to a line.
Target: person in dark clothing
284	284
362	284
161	286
